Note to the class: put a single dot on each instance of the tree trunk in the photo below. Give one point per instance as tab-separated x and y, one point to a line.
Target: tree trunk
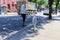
50	9
56	9
57	6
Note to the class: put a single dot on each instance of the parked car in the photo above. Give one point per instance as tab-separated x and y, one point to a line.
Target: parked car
58	10
46	12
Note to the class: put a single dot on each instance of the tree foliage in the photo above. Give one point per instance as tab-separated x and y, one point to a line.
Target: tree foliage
38	2
59	6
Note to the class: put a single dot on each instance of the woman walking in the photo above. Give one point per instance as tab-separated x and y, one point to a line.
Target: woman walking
23	13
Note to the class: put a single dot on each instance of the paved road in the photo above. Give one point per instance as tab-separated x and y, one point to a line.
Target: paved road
28	29
47	30
14	23
10	24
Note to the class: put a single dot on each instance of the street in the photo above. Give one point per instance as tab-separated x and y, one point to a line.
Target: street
11	26
29	19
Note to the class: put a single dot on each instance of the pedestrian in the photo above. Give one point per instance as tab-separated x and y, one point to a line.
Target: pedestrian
23	13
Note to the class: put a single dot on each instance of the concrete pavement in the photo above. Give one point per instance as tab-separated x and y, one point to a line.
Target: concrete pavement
27	31
51	32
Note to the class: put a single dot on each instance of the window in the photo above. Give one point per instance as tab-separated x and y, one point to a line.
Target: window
8	6
12	4
15	5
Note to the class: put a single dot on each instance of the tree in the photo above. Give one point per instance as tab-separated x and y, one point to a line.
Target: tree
50	8
41	2
32	1
38	2
59	6
56	3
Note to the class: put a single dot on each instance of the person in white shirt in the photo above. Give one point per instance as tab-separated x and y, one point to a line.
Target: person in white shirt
23	13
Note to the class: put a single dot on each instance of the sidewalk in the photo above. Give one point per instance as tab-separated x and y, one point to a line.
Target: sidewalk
51	32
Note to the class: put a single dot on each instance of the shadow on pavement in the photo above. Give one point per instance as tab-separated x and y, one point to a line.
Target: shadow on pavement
29	31
9	24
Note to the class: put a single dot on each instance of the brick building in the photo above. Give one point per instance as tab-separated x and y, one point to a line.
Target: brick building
10	4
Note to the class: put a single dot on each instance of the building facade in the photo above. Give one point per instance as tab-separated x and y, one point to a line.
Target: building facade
10	4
